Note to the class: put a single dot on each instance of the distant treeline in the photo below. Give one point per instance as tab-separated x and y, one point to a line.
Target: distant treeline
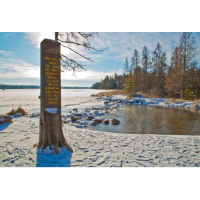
5	86
111	82
152	75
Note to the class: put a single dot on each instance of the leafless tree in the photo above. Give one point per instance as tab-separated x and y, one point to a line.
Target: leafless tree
188	52
71	39
183	64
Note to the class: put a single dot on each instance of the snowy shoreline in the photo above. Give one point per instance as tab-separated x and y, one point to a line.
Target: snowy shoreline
92	148
95	148
94	115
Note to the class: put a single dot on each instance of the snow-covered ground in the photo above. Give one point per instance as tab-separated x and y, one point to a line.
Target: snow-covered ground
91	148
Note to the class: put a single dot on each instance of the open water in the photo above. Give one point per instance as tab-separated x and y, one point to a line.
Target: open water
153	120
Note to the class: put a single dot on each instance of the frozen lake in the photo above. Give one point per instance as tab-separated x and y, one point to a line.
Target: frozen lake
28	98
64	92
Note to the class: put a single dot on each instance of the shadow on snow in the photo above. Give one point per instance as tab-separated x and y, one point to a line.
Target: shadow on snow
4	126
47	159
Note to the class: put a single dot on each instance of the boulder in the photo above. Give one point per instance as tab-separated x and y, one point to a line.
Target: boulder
90	118
87	110
18	114
78	114
5	119
129	101
92	114
84	115
108	98
137	101
105	121
65	122
94	123
74	118
115	121
19	110
98	120
84	122
79	126
100	113
34	115
95	108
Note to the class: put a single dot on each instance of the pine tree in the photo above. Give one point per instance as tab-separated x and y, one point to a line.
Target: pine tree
126	66
135	67
146	64
129	86
159	65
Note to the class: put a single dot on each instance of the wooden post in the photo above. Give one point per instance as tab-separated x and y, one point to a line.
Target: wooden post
51	134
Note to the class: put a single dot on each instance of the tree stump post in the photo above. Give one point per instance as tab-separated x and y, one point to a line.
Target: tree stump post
50	134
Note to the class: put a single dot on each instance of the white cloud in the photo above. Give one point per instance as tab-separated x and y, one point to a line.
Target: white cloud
6	53
116	43
36	38
91	75
124	43
119	45
16	68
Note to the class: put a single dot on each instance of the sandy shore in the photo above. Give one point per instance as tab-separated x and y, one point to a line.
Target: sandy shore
92	148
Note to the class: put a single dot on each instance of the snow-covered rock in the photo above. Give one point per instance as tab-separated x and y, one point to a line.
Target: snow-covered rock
18	114
100	113
106	102
129	101
108	98
87	110
115	121
105	121
74	118
79	126
83	122
5	119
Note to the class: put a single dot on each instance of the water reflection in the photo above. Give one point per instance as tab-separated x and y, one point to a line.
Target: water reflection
153	120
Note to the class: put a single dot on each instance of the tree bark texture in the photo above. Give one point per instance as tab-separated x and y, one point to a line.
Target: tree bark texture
51	134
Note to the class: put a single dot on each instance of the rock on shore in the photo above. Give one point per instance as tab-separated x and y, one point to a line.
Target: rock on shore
5	119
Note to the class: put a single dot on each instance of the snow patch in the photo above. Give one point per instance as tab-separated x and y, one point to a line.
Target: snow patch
52	110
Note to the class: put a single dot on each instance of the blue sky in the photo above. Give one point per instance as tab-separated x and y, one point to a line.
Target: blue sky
20	55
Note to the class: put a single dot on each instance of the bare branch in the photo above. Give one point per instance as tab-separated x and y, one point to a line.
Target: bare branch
77	53
87	36
76	67
79	39
86	45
